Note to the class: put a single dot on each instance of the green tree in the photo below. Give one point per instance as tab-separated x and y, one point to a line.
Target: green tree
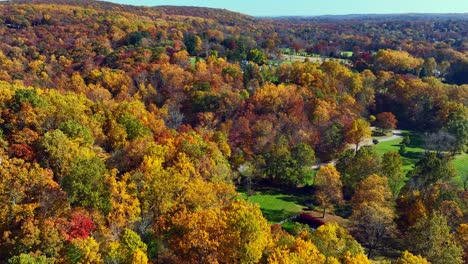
458	127
402	150
85	184
128	250
193	43
431	238
28	259
356	167
429	170
406	140
392	168
258	56
133	127
74	130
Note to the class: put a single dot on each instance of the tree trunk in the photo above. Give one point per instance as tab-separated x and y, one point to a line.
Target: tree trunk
324	209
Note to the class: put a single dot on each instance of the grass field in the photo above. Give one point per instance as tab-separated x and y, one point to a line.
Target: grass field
461	165
413	154
276	204
415	151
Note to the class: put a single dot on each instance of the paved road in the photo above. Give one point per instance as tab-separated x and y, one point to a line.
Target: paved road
396	134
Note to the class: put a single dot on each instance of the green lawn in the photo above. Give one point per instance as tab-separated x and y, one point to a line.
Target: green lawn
461	165
346	53
415	152
276	205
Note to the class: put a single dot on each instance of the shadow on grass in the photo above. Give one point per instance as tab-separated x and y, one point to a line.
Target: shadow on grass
413	155
416	140
277	215
300	196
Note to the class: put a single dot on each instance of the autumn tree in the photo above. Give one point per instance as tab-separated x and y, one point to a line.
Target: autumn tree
355	167
373	213
329	187
129	249
358	132
295	250
333	240
27	194
84	251
237	232
432	239
462	238
386	121
397	61
408	258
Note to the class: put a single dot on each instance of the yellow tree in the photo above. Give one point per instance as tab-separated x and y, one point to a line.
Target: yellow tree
129	249
198	235
299	252
329	186
334	241
408	258
125	206
84	251
27	193
357	259
249	231
373	213
227	234
462	238
358	132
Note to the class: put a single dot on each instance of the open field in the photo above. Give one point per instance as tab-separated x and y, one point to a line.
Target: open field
294	58
413	154
277	205
415	151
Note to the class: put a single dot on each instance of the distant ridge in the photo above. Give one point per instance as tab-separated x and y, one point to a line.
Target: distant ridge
377	17
225	16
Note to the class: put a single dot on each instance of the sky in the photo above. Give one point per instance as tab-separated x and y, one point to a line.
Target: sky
317	7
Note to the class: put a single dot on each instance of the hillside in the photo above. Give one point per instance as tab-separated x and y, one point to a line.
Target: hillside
192	135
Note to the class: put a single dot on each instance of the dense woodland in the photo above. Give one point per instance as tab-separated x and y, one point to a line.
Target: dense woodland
127	132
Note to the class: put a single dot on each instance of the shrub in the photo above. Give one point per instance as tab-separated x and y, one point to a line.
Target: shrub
402	150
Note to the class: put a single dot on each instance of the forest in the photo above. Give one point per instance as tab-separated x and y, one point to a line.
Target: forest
195	135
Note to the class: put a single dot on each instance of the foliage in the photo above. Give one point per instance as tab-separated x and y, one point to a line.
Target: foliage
329	186
124	131
359	131
408	258
431	237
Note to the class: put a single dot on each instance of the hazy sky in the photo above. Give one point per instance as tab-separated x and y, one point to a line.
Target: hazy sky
318	7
